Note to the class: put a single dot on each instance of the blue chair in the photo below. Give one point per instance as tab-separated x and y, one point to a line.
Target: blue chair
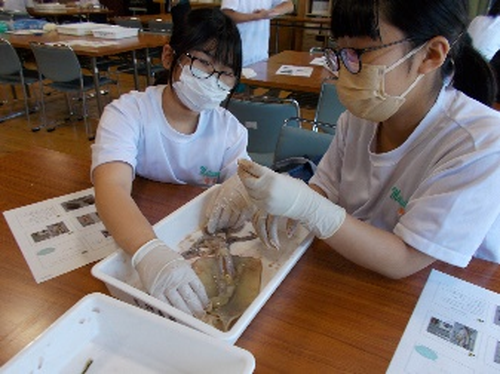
263	117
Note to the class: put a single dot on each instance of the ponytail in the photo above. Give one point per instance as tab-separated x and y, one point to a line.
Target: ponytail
473	75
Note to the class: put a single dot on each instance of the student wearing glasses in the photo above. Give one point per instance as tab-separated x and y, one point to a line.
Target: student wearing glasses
174	133
413	171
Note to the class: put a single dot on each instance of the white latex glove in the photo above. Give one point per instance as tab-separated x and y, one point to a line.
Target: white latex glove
266	227
230	207
282	195
167	276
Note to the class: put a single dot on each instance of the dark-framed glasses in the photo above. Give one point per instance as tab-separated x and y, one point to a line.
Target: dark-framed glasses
203	69
351	57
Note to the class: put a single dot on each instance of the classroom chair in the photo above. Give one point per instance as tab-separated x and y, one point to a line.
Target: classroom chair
13	73
298	150
59	64
263	117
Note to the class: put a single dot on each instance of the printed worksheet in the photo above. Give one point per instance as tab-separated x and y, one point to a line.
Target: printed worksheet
455	328
61	234
296	71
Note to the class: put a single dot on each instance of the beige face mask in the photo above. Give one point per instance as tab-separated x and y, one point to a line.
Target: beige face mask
363	94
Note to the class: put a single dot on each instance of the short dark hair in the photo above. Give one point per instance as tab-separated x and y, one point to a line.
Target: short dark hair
421	20
209	27
494	8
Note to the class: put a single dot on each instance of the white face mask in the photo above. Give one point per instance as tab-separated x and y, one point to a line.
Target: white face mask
363	94
199	94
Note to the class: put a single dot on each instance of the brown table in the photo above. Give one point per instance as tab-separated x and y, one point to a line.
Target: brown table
328	315
267	77
142	41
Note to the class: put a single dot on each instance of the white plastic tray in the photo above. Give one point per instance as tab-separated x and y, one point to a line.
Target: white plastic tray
50	6
123	282
115	337
78	29
115	32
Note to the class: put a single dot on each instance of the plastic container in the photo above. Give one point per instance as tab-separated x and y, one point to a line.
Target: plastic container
123	282
115	32
78	29
104	335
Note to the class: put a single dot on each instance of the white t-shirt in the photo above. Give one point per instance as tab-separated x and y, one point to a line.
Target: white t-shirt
439	191
485	34
254	34
133	129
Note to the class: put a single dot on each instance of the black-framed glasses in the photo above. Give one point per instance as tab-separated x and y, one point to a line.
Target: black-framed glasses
351	57
203	69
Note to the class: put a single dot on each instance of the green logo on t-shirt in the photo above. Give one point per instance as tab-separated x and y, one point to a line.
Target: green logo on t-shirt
209	177
396	196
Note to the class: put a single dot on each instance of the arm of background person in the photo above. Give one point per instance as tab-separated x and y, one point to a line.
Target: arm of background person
283	8
118	211
239	17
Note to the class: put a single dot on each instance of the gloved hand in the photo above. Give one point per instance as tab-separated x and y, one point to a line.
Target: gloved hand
282	195
266	227
230	207
167	276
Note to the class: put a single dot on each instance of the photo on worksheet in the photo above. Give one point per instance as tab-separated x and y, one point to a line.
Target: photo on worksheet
88	219
454	332
496	357
496	318
50	232
78	203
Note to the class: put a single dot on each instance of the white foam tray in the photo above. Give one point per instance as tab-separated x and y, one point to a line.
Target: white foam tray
123	282
50	6
78	29
115	32
120	338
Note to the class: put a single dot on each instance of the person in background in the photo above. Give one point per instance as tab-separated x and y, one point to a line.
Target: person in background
485	31
253	20
17	5
495	64
412	173
175	133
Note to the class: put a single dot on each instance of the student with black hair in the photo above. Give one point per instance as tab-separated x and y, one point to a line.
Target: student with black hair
485	31
412	175
173	133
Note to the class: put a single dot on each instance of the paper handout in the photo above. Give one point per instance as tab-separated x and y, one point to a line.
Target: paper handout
60	234
455	328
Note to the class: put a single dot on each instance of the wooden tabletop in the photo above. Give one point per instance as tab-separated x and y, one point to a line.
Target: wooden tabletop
328	315
301	21
267	77
67	11
142	40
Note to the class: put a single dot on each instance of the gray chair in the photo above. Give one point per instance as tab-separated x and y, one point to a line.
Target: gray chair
13	73
160	26
263	117
131	22
329	107
143	59
59	64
